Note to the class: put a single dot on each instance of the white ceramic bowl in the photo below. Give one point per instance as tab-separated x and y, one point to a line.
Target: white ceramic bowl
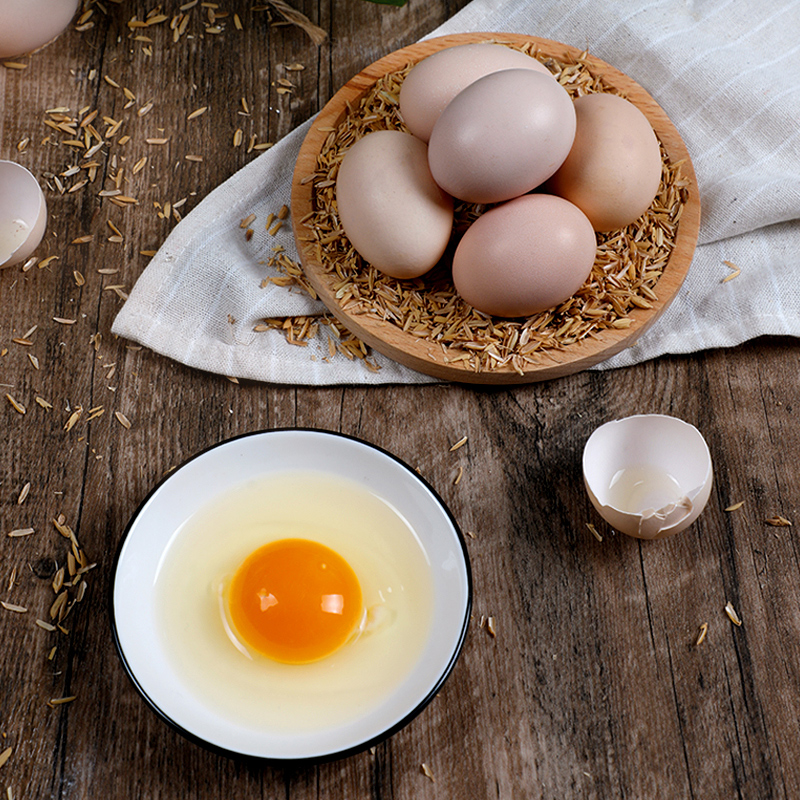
224	467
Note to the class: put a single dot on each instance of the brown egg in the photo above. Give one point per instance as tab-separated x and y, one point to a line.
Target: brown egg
613	171
524	256
394	214
437	79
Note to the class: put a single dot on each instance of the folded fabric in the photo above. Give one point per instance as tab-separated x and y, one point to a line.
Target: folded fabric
727	74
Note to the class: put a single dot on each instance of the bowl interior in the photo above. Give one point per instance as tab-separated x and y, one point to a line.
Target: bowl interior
223	468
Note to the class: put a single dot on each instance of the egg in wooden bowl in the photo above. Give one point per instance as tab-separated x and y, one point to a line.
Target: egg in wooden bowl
291	595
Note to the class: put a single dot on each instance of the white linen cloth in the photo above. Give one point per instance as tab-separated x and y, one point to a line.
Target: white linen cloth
727	72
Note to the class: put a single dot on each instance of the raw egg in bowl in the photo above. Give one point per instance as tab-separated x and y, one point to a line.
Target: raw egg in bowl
291	595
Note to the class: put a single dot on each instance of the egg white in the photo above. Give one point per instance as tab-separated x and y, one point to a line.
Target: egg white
26	25
250	689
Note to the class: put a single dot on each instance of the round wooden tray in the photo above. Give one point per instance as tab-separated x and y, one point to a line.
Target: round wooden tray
424	355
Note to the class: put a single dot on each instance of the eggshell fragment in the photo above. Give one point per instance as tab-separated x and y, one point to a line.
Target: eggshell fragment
23	213
524	256
27	25
502	136
613	171
437	79
394	214
649	476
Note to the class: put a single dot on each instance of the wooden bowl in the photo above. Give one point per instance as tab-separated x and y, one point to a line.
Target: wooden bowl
425	355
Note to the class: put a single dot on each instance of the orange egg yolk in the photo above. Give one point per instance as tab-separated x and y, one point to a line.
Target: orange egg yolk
295	600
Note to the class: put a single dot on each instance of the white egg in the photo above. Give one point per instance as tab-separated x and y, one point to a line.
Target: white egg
251	690
391	209
502	136
27	25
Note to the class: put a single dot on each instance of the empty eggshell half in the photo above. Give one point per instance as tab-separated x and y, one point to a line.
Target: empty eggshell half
649	476
23	213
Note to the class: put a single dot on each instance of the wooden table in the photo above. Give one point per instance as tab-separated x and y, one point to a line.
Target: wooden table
594	684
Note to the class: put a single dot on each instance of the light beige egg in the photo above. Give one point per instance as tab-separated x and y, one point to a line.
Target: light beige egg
524	256
27	25
437	79
502	136
613	170
251	690
392	211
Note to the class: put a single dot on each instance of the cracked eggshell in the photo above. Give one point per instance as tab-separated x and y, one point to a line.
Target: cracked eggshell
437	79
649	476
27	25
502	136
23	213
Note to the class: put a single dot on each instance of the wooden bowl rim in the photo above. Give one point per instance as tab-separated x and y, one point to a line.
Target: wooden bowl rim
426	356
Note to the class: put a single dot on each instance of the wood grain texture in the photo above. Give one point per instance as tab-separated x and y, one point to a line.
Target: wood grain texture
420	354
593	686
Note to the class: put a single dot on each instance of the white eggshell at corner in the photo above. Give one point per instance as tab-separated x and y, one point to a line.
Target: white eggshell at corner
391	209
27	25
437	79
21	201
657	441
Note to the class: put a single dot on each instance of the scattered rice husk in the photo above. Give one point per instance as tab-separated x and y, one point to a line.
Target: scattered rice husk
701	635
593	530
732	615
624	277
778	521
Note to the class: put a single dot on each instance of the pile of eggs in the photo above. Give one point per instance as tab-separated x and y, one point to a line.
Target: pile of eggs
491	125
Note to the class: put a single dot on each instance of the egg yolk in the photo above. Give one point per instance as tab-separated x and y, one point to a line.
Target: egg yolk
295	600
